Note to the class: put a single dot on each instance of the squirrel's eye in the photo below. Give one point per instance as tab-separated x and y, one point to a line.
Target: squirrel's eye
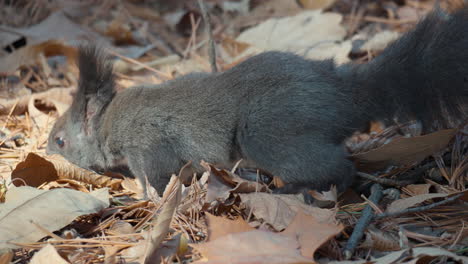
60	141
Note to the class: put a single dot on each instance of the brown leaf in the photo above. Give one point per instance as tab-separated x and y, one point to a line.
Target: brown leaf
402	204
220	226
252	247
146	250
381	241
222	183
55	26
404	151
6	256
60	98
279	210
316	4
47	255
51	210
30	54
417	189
311	233
36	170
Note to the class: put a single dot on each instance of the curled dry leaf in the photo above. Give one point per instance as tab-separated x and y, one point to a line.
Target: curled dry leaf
222	183
279	210
47	255
26	208
60	98
404	151
36	170
381	241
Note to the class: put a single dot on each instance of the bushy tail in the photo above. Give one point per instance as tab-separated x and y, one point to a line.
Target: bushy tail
423	75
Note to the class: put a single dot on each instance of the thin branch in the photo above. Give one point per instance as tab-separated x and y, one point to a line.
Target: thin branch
383	181
363	222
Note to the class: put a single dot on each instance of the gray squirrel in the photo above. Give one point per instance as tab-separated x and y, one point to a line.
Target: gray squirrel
277	111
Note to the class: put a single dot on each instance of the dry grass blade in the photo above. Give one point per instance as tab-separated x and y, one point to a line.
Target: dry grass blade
172	196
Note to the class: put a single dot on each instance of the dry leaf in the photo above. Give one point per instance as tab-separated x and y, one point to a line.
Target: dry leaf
221	226
47	255
55	27
59	97
403	204
121	227
381	241
417	189
312	34
252	247
311	233
145	251
6	256
316	4
419	253
404	151
51	210
279	210
30	54
36	170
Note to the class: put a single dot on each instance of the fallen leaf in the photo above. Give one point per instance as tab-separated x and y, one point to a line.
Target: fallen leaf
145	251
405	203
51	210
251	247
417	189
311	233
121	227
59	97
404	151
279	210
381	241
221	183
311	34
220	226
36	170
47	255
30	54
6	256
418	253
316	4
55	27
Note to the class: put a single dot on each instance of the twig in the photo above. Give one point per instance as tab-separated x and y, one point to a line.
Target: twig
209	31
418	209
366	218
383	181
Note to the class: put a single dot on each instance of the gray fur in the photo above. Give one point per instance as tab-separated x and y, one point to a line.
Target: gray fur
277	111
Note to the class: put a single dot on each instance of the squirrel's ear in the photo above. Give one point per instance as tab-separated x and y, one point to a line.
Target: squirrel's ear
96	85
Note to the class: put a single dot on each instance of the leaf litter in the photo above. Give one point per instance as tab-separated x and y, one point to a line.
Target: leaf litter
50	212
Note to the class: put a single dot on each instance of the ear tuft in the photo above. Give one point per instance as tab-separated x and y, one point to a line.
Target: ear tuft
96	72
95	86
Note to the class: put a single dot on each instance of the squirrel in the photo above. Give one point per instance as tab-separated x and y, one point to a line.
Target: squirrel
279	112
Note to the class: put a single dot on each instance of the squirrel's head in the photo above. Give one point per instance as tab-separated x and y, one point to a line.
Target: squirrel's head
75	134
